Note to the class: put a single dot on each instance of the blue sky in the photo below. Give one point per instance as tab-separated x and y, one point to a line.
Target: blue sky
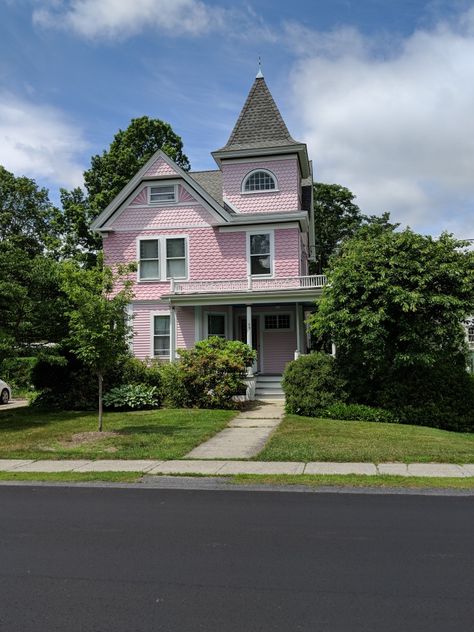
381	90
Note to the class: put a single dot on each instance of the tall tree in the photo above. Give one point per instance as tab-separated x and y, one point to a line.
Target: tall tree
98	327
395	300
28	220
336	218
108	174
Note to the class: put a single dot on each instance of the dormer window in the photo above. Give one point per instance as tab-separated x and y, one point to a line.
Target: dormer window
258	181
163	194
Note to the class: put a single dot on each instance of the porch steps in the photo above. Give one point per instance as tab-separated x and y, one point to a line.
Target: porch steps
268	387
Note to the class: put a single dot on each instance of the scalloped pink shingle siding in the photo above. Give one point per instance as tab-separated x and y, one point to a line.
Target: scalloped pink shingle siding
285	199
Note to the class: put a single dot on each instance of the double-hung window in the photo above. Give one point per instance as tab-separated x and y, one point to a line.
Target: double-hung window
162	258
176	258
260	252
149	264
163	194
161	335
216	325
470	334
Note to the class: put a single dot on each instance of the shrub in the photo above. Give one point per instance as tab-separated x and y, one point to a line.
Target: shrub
132	397
173	390
441	396
311	383
358	412
135	371
211	373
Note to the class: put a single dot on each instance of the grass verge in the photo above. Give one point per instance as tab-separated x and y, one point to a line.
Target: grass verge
111	477
27	433
353	480
312	439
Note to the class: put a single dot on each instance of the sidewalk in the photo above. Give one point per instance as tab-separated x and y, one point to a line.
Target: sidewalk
227	467
245	435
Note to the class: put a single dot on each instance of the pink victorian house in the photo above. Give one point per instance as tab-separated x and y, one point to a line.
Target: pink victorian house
222	252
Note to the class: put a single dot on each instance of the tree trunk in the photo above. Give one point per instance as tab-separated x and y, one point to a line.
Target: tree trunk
101	379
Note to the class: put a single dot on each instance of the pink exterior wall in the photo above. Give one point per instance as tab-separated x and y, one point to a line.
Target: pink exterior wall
185	328
287	253
142	343
160	168
285	199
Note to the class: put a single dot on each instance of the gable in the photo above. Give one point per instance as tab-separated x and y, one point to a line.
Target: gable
160	168
140	215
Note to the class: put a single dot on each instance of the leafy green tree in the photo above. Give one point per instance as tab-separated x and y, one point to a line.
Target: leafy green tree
108	174
395	301
98	327
336	218
28	220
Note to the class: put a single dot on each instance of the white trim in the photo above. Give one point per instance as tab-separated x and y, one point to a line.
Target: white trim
272	253
260	359
152	333
206	323
164	202
278	313
259	227
162	258
256	159
257	192
129	311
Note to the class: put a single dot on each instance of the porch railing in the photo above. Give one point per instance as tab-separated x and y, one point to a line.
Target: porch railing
249	284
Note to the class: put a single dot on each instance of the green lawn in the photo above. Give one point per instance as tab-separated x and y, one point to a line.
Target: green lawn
353	480
72	477
309	439
152	434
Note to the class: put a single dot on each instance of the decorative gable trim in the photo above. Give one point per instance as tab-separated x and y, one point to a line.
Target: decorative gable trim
100	223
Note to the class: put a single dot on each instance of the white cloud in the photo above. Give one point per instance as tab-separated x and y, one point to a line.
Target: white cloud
123	18
37	141
396	128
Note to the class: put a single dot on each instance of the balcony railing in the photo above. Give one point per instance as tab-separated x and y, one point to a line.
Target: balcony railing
249	284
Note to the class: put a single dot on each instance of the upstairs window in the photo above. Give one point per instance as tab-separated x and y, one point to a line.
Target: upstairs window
176	258
162	258
259	181
163	194
149	265
261	254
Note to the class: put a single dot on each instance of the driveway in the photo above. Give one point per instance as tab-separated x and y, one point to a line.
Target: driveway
14	403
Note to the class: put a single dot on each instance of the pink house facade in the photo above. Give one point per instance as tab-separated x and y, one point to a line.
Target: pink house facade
222	252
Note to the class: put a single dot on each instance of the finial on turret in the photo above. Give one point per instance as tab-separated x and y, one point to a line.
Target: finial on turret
259	73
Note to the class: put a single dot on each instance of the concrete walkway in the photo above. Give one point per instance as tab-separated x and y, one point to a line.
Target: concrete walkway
245	435
222	467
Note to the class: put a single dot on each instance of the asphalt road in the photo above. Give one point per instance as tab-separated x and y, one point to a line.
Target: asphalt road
133	560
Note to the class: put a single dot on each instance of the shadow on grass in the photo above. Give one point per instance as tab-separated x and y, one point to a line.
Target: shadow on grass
24	418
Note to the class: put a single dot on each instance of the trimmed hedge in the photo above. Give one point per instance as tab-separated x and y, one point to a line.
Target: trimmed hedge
358	412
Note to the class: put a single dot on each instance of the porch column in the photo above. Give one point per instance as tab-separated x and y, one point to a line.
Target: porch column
172	334
299	330
197	323
249	333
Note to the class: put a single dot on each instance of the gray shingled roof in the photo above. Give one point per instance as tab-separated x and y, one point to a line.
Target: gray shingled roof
211	181
260	123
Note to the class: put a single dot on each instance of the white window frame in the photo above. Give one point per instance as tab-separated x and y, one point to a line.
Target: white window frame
162	258
164	202
290	328
160	272
272	254
470	334
152	335
251	173
206	323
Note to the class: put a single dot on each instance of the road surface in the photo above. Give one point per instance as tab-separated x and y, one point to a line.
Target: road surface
135	560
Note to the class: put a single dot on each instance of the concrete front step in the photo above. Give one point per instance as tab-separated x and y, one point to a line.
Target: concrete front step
269	387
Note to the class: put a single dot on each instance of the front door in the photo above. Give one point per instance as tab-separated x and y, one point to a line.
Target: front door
255	337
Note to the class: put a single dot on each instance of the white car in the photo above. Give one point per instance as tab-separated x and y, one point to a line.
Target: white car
5	392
